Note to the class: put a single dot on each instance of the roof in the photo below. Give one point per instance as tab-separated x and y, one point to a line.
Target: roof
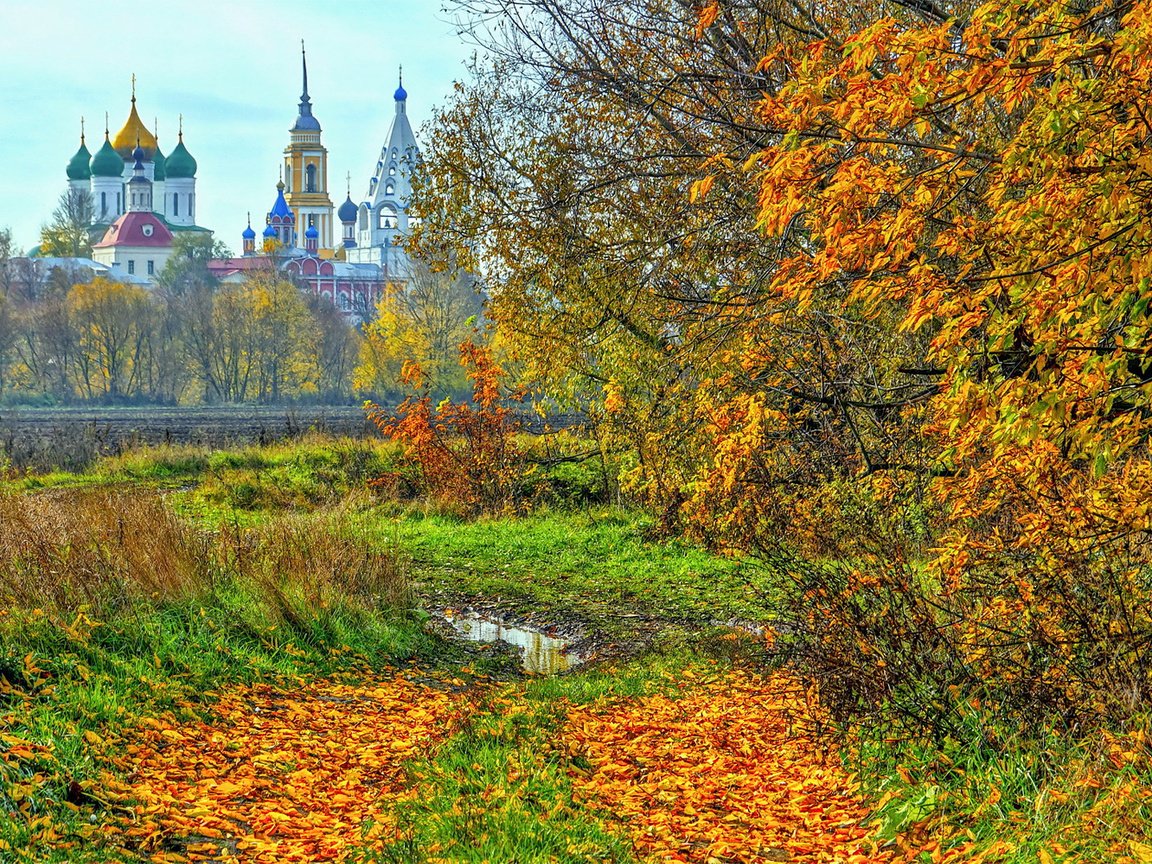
107	162
137	229
134	131
78	165
179	162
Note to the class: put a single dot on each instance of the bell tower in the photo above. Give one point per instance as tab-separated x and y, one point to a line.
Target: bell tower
306	170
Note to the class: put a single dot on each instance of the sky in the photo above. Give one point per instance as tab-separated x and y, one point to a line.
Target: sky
233	70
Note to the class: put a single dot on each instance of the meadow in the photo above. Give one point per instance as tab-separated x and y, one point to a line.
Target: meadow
190	638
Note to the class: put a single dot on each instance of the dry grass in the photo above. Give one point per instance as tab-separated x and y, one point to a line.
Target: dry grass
106	552
102	551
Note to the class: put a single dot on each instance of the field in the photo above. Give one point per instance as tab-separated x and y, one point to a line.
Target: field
215	655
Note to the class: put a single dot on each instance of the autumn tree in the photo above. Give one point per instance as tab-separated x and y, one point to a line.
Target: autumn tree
67	235
113	323
423	320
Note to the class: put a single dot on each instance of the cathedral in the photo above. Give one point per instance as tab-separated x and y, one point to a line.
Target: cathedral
140	197
300	226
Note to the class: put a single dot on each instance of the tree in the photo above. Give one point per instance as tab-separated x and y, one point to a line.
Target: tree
67	235
422	321
113	323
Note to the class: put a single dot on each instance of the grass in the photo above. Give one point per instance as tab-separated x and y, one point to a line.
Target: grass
115	610
594	565
500	789
275	564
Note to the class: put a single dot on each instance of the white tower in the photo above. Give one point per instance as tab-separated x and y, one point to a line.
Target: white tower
383	218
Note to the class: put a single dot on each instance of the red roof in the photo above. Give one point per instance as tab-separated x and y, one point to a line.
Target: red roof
137	229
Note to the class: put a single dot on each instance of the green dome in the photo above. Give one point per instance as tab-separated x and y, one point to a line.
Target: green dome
107	162
180	163
78	166
159	163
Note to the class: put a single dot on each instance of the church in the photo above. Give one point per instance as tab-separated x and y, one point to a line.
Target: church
300	226
140	198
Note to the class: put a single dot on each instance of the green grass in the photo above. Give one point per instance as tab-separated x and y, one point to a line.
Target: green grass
500	789
592	565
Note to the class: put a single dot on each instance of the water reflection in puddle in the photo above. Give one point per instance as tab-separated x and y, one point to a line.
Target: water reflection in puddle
542	654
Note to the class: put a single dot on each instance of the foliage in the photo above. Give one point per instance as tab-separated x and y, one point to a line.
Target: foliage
192	340
422	321
923	398
465	453
67	235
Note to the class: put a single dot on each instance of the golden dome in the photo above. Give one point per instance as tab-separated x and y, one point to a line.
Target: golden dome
134	131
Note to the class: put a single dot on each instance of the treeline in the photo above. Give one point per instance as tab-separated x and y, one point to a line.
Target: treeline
72	338
864	290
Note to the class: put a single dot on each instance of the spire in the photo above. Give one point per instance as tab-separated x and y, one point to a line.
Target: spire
305	122
401	95
81	131
181	132
133	88
304	64
105	125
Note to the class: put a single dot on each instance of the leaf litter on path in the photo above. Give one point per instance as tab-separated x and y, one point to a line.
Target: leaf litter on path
725	772
280	777
721	774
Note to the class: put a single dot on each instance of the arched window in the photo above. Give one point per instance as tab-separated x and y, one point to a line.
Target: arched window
310	178
103	203
391	170
390	188
175	203
191	205
344	303
363	218
387	218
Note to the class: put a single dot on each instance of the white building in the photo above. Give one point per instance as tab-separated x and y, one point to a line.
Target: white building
382	220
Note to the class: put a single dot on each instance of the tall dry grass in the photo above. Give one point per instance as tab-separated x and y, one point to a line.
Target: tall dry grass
99	550
108	552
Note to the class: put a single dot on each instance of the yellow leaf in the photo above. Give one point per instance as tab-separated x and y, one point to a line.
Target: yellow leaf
1141	851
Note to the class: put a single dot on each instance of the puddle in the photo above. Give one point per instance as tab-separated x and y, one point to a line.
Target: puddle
542	654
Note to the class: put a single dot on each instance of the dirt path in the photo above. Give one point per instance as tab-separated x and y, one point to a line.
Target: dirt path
726	771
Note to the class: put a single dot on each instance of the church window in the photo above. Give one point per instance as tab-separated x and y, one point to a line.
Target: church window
191	205
146	230
310	178
390	188
117	202
344	304
363	219
131	266
103	203
151	267
391	170
387	218
175	203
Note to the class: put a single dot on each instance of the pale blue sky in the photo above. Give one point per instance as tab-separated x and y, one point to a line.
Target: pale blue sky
232	69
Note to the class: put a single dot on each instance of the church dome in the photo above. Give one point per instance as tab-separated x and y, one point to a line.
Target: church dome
401	94
158	162
179	163
270	233
311	233
347	211
107	162
249	234
133	133
78	166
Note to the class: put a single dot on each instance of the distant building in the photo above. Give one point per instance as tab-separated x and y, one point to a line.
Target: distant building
299	227
382	219
140	198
